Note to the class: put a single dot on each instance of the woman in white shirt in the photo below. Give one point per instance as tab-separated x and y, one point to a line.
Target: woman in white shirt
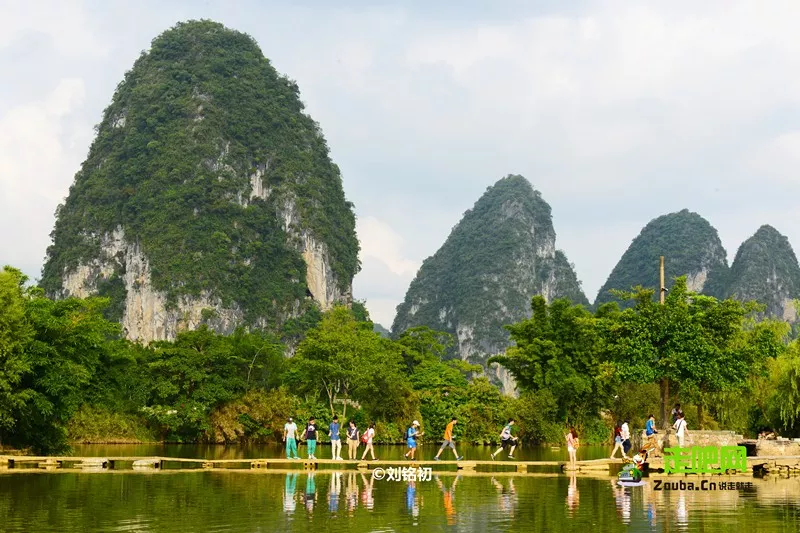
370	433
680	429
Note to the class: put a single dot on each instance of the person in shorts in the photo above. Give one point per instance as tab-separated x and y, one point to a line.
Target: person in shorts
412	434
448	440
507	440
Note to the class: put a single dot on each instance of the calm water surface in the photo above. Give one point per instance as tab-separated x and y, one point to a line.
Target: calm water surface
257	501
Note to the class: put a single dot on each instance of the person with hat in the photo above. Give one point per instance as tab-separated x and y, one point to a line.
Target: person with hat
411	439
290	438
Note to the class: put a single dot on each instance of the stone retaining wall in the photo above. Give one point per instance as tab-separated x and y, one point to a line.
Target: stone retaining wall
694	438
778	447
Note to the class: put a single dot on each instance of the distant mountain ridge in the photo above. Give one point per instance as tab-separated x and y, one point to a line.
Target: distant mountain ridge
495	259
765	269
690	245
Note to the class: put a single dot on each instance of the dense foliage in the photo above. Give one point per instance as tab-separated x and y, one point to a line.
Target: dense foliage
699	343
689	244
66	374
578	364
561	351
199	119
500	254
49	353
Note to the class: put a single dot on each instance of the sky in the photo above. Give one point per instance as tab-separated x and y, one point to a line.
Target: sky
617	111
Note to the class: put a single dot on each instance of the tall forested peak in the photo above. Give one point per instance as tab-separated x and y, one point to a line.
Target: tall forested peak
207	195
495	259
690	245
765	269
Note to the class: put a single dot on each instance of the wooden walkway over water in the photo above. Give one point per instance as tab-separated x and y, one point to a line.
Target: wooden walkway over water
771	464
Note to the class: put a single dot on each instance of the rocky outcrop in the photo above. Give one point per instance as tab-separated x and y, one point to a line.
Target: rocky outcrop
691	247
496	258
321	280
147	315
765	269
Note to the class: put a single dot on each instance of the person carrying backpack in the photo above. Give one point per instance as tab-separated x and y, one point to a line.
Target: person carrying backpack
366	438
411	439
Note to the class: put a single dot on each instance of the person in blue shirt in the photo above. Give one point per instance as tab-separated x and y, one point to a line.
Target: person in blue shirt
336	441
411	437
650	427
650	431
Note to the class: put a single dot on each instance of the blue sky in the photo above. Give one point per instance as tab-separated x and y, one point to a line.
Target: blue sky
616	111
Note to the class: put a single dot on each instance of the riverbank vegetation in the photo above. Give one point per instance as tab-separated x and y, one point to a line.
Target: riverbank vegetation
66	374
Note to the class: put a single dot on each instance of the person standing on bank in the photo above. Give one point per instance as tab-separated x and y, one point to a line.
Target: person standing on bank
617	441
625	433
680	429
311	437
336	441
572	448
650	433
352	440
676	413
290	438
367	438
507	440
411	438
449	441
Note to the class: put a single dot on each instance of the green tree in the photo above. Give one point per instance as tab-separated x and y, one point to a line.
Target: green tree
49	352
560	349
696	342
16	333
191	377
335	357
422	343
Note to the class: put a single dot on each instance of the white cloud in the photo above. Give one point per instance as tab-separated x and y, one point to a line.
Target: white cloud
385	273
64	23
380	241
777	159
33	161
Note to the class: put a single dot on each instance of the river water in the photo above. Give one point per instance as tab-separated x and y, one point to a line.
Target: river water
259	501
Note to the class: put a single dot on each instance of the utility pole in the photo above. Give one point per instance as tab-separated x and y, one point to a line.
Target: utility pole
664	380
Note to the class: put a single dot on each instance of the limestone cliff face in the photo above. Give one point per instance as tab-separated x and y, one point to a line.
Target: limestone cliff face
500	254
147	314
321	280
208	196
765	269
691	247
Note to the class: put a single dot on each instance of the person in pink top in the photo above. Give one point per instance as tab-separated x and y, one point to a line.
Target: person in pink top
572	447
